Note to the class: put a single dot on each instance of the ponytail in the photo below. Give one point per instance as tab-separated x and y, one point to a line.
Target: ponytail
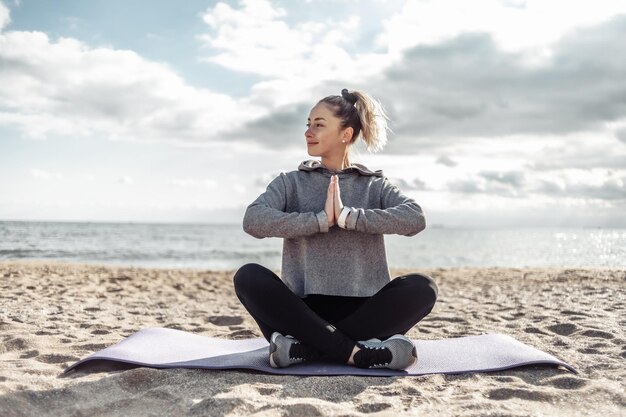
373	121
363	114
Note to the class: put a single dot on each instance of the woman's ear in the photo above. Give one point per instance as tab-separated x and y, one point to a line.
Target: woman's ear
347	134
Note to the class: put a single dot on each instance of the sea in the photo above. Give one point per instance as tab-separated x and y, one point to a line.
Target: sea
227	246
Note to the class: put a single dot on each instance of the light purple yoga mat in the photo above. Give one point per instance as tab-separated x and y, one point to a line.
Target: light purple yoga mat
168	348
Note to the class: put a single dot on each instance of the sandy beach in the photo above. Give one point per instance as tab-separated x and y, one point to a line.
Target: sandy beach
53	314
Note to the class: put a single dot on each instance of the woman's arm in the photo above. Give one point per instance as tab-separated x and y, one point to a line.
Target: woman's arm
266	217
399	214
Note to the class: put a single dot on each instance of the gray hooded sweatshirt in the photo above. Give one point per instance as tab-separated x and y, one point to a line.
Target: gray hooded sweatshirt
333	261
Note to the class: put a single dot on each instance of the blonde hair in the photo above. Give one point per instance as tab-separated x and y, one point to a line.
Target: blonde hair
373	121
364	114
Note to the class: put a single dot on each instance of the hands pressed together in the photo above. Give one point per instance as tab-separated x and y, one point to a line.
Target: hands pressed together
333	205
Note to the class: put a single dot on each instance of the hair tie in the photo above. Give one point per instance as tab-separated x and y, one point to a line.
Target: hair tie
351	98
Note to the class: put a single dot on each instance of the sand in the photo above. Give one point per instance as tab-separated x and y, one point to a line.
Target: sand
53	314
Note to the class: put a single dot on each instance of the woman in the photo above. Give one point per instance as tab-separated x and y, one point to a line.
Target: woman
336	300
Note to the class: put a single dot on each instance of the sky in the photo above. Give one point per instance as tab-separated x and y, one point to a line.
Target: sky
503	113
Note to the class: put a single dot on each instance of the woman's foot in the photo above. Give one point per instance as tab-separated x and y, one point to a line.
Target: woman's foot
286	351
397	352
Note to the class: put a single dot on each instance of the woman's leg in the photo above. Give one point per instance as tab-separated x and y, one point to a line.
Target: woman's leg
395	309
276	308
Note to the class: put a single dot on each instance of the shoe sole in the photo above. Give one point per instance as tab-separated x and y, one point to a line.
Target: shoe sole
273	349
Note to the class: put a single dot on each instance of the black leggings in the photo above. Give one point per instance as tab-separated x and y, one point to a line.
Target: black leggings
333	324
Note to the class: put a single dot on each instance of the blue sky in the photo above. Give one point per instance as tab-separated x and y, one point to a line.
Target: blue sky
503	112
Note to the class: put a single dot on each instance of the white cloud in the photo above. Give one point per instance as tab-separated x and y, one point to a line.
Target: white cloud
192	182
44	175
257	39
5	16
294	58
126	180
528	26
66	87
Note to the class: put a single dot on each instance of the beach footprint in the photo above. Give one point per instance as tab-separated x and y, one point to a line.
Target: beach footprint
373	407
55	358
208	406
567	382
534	330
574	313
564	329
503	394
597	333
15	343
29	354
243	334
225	320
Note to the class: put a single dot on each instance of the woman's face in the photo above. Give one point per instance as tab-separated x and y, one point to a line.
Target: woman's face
324	133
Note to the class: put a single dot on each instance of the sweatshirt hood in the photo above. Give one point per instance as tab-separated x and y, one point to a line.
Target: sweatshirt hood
312	164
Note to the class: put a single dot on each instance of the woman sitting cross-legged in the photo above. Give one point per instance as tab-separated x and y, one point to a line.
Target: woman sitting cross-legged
336	300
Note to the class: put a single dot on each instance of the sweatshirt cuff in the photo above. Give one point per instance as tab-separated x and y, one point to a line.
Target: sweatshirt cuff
322	220
352	218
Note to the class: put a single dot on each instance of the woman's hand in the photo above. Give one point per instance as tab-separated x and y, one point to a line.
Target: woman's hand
338	205
329	207
333	204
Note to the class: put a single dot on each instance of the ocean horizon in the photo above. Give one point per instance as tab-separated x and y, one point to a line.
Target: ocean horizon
227	246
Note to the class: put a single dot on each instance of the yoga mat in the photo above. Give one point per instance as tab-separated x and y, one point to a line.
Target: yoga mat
159	347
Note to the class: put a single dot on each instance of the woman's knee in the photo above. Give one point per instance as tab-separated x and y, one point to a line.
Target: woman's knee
254	278
421	284
246	277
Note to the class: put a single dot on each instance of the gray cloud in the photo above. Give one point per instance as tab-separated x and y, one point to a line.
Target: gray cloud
404	185
621	135
467	86
611	189
579	155
494	187
465	186
513	184
514	178
283	129
447	161
502	183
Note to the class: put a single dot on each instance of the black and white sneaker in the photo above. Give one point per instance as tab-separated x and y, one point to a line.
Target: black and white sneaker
286	351
397	352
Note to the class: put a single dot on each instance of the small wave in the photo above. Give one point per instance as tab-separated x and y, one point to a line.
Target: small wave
20	253
38	253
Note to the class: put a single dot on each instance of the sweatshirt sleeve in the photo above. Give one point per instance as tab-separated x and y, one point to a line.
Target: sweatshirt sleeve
399	214
266	216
